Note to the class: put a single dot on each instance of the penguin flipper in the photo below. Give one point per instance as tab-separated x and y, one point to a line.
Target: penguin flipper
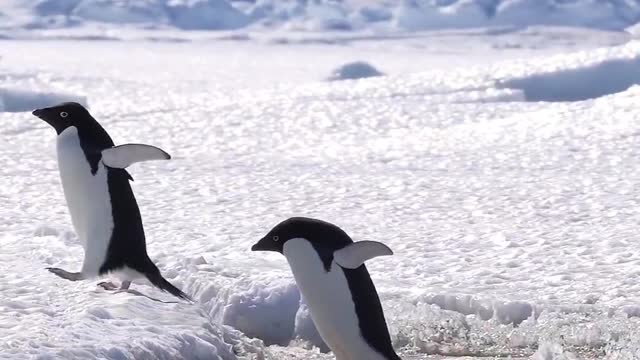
122	156
354	255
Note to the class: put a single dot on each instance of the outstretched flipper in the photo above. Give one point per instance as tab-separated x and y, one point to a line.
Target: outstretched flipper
122	156
354	255
73	276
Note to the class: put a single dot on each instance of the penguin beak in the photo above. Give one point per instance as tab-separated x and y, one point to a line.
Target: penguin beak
262	245
42	115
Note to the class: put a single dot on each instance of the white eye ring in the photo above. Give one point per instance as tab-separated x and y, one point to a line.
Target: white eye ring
64	114
276	238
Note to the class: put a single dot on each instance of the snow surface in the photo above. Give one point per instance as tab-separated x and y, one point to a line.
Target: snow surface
512	209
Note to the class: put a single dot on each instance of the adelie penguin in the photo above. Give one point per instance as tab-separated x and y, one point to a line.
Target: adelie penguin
330	272
104	211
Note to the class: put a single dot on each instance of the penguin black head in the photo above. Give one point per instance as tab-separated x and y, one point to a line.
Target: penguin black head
64	115
319	233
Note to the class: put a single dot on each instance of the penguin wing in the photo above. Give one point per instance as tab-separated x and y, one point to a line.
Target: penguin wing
354	255
121	156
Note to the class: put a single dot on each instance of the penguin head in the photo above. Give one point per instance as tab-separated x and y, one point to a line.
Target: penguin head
64	115
319	233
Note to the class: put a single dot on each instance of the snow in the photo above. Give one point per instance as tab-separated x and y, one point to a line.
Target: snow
321	15
354	70
499	165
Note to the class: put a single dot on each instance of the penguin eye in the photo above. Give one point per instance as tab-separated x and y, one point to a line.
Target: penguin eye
64	114
276	238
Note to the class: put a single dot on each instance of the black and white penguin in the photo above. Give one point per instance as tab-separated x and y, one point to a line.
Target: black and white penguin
104	211
329	270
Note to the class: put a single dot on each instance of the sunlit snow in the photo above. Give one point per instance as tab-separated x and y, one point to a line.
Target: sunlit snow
503	177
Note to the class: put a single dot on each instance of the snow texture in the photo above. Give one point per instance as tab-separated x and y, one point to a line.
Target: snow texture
512	209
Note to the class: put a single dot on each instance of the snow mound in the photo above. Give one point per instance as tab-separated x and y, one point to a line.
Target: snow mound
354	70
551	351
306	330
15	100
267	313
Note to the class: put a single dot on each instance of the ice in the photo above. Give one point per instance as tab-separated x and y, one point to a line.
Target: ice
205	14
371	17
424	16
17	100
119	11
512	216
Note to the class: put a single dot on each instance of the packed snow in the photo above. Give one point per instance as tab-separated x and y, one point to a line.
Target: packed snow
498	164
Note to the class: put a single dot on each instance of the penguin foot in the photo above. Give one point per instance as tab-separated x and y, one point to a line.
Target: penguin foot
108	285
125	285
66	275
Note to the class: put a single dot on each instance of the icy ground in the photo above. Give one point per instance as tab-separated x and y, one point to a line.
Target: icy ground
513	221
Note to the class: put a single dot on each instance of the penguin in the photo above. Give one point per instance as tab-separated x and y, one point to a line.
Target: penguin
328	267
103	209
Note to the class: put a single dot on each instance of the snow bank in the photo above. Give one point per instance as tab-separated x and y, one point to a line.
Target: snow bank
306	330
14	100
578	76
322	15
604	78
354	70
267	313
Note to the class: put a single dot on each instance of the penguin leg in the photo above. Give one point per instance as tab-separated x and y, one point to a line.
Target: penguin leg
125	285
73	276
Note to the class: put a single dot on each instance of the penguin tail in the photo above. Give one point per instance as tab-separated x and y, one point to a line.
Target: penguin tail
161	283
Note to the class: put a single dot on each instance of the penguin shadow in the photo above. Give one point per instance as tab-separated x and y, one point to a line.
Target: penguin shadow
138	293
109	288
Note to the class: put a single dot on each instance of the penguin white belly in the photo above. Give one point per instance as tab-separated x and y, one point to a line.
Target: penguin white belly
329	299
88	200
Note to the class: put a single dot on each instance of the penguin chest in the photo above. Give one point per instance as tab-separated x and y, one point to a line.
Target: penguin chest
87	197
329	299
